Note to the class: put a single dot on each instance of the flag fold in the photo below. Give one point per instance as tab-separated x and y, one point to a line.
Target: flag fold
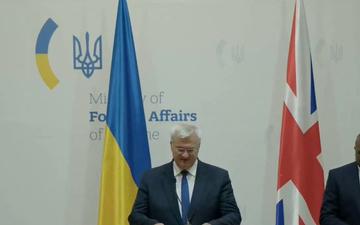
300	174
126	150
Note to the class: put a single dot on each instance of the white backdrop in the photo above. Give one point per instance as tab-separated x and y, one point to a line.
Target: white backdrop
224	60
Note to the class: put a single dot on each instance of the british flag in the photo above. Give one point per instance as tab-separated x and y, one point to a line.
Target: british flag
300	174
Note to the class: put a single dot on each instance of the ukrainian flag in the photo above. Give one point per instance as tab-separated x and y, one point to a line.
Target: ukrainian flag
126	149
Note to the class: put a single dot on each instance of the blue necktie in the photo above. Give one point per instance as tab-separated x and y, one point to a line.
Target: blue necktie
185	199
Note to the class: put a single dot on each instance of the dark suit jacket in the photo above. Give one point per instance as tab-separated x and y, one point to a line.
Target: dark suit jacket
212	199
341	205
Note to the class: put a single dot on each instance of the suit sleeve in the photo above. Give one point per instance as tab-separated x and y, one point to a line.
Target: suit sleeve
329	214
229	211
140	211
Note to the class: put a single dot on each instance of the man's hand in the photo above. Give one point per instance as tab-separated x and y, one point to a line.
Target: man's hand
158	224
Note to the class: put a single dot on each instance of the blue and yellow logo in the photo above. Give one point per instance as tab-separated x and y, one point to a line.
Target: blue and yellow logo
83	58
41	52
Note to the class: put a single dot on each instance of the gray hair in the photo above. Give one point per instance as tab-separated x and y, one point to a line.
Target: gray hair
184	131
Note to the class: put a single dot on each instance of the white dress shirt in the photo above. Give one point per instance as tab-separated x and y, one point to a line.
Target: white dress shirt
190	177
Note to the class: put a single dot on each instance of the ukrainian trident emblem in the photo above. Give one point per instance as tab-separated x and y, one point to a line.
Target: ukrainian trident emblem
87	62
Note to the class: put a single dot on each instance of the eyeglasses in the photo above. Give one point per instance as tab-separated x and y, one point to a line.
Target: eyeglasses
182	150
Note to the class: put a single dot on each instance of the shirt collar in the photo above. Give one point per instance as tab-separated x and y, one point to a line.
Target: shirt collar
191	170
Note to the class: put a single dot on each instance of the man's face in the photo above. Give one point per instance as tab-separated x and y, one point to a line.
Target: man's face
185	151
357	150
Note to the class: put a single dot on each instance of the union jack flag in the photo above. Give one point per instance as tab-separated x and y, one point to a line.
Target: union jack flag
300	174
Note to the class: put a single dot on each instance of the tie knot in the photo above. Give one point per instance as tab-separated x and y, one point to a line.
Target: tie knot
184	172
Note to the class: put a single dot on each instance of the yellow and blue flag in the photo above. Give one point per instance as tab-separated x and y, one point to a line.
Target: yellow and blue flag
126	149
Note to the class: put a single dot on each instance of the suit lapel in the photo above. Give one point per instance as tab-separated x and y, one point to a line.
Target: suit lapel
356	185
199	188
169	184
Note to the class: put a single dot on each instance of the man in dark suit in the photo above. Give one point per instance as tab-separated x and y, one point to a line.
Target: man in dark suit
186	190
341	205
